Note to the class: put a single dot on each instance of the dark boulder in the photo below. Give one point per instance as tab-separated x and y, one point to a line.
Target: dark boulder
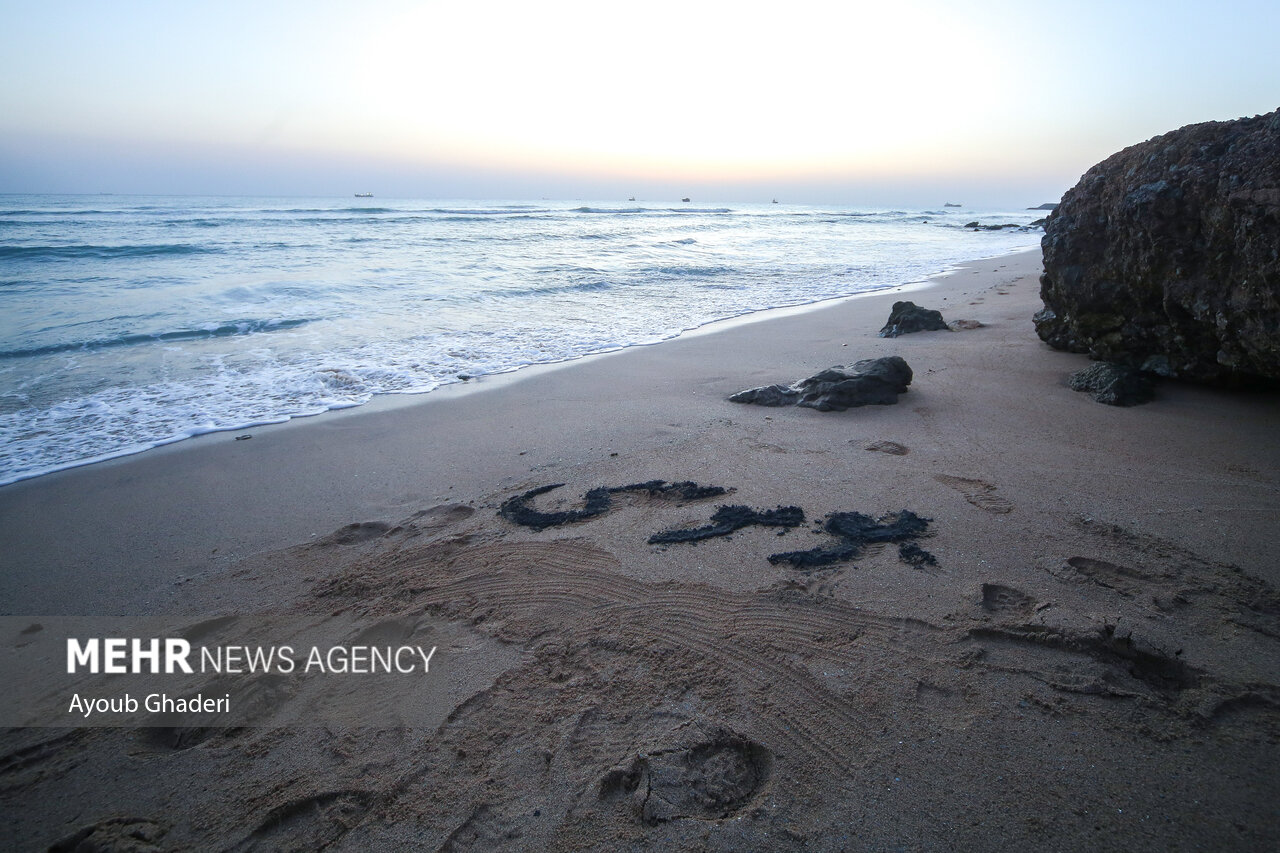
907	317
1113	384
873	381
768	395
1164	256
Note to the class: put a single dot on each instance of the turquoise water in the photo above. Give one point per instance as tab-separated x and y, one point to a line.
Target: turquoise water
127	322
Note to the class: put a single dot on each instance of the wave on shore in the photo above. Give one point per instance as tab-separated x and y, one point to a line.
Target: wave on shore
134	322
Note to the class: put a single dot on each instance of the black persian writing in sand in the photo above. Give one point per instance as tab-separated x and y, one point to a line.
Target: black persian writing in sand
853	531
597	501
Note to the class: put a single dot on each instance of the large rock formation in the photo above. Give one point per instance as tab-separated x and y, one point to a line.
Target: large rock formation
1166	256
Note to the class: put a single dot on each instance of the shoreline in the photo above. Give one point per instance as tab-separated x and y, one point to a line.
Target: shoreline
1090	657
396	399
282	478
213	456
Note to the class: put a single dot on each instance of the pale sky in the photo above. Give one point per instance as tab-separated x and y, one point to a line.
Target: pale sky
907	102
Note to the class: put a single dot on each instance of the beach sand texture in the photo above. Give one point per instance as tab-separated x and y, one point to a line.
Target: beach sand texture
1091	662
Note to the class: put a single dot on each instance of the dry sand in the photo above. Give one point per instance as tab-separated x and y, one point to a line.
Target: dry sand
1090	664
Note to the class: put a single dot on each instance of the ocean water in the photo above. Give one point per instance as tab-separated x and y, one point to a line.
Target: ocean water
127	322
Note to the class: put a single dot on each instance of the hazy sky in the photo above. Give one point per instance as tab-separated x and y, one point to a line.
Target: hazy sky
895	102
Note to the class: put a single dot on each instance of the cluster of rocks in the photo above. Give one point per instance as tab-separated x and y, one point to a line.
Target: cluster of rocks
1161	261
1164	258
872	381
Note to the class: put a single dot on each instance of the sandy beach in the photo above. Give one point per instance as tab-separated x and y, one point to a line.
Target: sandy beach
1090	661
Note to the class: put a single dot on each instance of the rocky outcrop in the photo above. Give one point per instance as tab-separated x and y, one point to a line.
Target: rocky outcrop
1113	384
1166	256
978	226
873	381
907	317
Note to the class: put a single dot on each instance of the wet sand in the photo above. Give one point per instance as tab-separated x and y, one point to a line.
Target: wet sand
1089	662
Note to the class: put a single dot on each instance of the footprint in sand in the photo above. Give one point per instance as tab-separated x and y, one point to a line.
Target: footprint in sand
998	598
708	780
442	516
116	833
433	518
397	631
357	531
977	492
207	627
1122	579
311	822
890	447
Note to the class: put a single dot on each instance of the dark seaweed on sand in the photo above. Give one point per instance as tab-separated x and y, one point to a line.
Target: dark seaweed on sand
597	501
856	530
913	555
727	519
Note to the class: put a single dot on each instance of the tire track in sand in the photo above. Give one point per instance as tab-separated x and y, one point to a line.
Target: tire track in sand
573	591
